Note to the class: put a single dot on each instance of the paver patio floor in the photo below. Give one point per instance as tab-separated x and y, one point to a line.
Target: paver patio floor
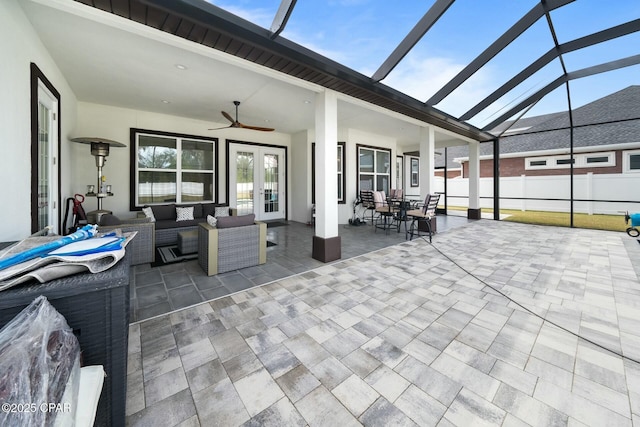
403	336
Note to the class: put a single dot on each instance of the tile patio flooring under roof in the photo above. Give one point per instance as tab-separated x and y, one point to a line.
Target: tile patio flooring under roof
159	290
402	336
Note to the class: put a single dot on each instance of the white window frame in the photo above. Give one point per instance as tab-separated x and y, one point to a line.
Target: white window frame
178	170
579	161
375	172
341	182
626	161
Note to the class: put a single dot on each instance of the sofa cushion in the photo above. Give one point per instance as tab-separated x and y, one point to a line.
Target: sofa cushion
166	224
163	212
235	221
208	209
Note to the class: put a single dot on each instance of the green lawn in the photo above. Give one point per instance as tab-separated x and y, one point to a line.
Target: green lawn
598	222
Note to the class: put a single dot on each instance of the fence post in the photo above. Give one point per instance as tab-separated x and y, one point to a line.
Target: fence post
523	193
590	192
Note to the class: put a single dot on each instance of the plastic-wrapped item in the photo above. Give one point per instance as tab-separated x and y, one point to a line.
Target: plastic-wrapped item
39	368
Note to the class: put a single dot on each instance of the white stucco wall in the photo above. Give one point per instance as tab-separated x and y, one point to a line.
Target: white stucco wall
301	183
356	137
19	46
115	123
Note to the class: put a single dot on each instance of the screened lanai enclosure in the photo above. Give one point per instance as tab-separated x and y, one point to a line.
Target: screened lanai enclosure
550	89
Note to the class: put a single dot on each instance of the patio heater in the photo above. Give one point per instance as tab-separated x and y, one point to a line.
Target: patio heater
100	150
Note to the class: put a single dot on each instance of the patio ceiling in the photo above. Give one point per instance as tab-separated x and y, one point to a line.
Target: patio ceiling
109	58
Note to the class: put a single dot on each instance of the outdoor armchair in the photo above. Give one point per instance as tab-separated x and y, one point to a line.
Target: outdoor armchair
142	247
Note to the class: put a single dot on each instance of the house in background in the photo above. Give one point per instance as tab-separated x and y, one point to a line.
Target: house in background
535	151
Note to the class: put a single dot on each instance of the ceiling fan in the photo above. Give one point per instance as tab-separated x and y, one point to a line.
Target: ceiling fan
236	124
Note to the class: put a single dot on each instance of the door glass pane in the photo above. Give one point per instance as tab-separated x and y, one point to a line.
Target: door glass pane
197	155
156	187
196	187
44	125
271	173
244	182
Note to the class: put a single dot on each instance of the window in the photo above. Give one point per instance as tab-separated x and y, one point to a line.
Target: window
590	160
341	182
374	168
173	168
631	161
415	172
562	162
602	159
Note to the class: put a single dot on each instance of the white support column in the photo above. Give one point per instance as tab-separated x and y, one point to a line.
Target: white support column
326	242
427	160
474	181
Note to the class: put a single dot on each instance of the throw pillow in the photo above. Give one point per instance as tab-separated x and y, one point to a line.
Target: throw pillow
184	214
212	220
222	211
148	212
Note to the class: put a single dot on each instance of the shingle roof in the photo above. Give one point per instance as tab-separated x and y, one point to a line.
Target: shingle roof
613	119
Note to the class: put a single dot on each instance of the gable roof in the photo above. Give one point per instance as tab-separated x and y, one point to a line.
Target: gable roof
613	119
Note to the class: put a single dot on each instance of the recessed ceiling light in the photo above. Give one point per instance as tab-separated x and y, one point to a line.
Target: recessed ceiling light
306	101
181	67
164	101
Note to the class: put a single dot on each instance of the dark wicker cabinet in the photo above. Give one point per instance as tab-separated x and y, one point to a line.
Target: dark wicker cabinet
96	307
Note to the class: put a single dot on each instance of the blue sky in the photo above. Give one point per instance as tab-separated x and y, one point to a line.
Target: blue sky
361	34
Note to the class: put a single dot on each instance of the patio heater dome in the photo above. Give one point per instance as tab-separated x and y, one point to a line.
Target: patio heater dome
100	150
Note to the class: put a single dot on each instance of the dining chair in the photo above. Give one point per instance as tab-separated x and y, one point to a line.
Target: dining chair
368	203
421	218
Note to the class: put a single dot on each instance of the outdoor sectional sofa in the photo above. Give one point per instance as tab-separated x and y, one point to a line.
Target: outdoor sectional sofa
167	225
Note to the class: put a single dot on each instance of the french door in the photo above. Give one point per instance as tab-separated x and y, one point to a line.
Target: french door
47	154
257	180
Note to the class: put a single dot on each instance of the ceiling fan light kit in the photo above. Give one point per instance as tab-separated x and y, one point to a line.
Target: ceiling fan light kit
236	123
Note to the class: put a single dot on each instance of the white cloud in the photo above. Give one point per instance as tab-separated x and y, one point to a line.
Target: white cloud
422	77
259	16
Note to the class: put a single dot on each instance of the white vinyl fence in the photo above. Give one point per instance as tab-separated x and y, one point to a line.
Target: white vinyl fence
591	186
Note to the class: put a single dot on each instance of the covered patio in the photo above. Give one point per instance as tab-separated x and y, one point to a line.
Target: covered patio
496	323
157	290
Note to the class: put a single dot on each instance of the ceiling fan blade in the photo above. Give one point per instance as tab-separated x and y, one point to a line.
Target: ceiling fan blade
228	117
255	128
236	124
